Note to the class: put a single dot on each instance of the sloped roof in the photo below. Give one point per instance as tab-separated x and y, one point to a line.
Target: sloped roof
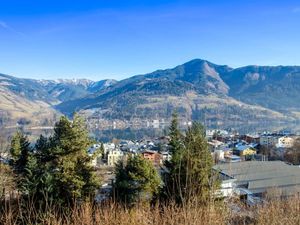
242	147
259	176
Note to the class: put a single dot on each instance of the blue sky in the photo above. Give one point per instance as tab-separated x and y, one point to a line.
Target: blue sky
117	39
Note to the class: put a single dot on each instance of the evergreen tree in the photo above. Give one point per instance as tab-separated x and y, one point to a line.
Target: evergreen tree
137	181
74	175
102	151
44	177
189	174
19	151
174	132
176	148
59	168
21	159
199	180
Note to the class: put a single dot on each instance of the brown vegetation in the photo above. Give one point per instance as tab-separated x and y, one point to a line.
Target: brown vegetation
111	214
274	212
292	155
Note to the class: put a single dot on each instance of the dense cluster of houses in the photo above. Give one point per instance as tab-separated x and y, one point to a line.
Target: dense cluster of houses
155	150
225	147
245	167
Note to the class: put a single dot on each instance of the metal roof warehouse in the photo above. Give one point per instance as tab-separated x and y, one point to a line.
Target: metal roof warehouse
260	177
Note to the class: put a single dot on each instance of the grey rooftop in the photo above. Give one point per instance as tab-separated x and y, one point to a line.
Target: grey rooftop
261	176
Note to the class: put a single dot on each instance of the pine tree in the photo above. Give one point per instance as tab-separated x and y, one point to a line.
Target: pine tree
102	151
19	151
22	162
43	174
189	173
74	175
137	181
199	180
59	168
172	176
174	132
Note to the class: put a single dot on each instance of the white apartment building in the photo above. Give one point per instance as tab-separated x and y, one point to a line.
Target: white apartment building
114	156
285	142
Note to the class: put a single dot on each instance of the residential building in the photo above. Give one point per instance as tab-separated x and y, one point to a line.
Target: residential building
285	142
244	150
153	156
114	156
251	138
109	147
268	140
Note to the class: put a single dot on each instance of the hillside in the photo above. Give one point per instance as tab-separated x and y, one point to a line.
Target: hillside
197	90
32	101
16	108
277	88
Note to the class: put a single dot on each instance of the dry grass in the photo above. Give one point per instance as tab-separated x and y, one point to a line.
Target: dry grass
274	212
111	214
278	212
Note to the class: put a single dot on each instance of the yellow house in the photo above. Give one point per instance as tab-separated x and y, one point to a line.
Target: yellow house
244	150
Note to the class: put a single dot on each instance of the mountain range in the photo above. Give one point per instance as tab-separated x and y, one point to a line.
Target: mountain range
197	90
